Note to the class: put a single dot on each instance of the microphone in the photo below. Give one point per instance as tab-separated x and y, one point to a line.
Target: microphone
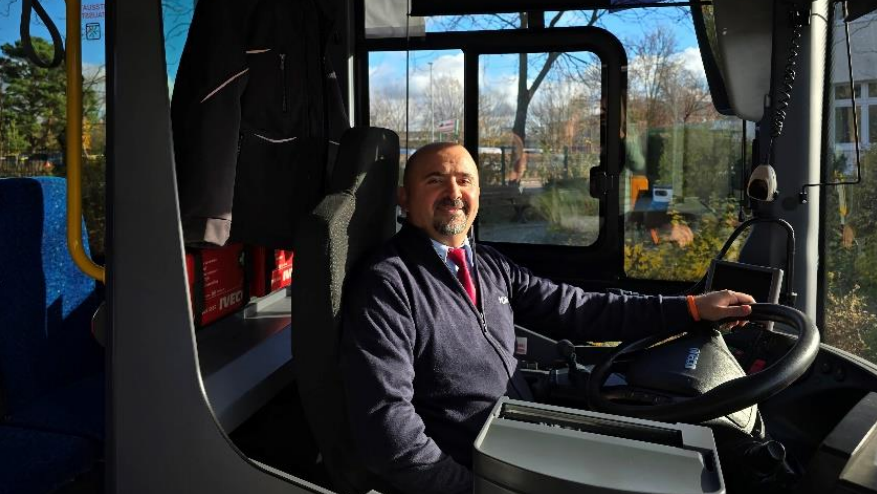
763	184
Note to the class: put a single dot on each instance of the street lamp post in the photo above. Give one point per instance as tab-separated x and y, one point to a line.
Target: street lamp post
431	107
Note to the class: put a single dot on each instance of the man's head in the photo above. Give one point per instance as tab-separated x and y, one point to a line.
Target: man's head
440	192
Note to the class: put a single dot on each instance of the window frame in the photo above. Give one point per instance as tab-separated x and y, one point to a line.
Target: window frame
602	260
864	102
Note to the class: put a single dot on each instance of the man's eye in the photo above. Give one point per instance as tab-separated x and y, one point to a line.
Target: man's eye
433	180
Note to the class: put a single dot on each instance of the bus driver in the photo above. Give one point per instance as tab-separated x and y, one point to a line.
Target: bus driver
428	329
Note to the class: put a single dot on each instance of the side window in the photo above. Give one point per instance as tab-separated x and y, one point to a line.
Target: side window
539	117
33	107
536	151
850	229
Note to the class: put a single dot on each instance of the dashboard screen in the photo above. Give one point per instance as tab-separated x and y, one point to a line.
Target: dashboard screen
760	282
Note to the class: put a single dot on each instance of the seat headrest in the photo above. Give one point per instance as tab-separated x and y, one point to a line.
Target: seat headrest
364	150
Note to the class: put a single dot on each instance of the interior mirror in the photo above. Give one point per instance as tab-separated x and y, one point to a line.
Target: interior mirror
745	38
736	37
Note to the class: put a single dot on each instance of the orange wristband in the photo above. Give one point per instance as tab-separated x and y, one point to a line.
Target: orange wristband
692	308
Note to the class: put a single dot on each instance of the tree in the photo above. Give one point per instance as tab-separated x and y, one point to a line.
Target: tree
525	93
540	64
653	66
691	96
493	112
387	108
94	135
559	116
34	101
447	94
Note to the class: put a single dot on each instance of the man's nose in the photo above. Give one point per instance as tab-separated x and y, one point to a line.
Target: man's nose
454	190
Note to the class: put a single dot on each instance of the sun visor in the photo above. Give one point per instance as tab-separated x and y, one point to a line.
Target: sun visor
744	31
389	19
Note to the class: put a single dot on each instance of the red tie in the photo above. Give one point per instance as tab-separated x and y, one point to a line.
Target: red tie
458	257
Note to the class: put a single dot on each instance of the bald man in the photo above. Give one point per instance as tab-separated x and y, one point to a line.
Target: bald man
428	329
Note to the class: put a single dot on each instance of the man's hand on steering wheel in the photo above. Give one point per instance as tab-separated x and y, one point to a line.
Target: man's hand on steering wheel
724	304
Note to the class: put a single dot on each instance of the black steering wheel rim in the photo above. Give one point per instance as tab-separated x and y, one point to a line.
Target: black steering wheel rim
730	396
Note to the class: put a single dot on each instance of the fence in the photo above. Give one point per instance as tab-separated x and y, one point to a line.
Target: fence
28	166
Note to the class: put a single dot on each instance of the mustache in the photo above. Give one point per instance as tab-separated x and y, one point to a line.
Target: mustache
452	203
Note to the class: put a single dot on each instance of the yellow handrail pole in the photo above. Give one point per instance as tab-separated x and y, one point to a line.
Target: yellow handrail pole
74	145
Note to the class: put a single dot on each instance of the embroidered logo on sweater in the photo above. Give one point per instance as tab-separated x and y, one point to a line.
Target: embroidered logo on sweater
504	300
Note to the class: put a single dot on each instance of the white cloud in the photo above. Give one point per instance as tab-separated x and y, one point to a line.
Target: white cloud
391	68
444	66
505	86
691	61
640	68
93	70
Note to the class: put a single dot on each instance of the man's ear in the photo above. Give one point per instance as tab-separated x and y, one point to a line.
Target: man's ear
402	196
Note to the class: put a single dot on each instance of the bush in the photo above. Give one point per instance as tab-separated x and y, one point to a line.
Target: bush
671	261
849	325
565	204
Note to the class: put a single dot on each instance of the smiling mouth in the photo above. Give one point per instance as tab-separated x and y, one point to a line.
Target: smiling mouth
452	212
452	207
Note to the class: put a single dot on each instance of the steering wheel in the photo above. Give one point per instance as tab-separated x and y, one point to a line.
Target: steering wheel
727	397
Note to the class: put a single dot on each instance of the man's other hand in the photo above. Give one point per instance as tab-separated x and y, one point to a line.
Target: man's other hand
725	304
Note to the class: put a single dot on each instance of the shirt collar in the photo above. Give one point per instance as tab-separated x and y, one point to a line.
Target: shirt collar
442	250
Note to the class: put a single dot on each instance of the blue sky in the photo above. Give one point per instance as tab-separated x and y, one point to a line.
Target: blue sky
93	50
389	68
625	25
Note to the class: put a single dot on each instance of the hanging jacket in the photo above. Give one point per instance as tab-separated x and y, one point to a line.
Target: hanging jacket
257	114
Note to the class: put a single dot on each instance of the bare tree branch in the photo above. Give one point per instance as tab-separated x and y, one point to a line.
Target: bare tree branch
8	10
556	18
542	73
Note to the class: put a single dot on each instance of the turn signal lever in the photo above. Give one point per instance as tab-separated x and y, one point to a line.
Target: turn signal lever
567	351
567	383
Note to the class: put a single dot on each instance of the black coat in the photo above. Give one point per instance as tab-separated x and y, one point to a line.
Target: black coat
257	114
423	367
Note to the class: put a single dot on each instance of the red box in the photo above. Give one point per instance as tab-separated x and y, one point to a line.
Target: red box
217	282
281	276
270	270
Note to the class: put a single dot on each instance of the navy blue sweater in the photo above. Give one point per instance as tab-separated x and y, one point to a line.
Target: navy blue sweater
423	367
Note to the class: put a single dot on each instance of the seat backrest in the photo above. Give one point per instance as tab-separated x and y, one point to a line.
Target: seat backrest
47	302
356	217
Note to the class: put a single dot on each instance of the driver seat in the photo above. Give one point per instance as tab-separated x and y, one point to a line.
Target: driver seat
356	217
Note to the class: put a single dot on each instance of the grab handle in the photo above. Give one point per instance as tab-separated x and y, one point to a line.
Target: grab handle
74	145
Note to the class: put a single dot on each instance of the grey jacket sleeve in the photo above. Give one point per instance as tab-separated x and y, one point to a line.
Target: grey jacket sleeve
378	367
564	311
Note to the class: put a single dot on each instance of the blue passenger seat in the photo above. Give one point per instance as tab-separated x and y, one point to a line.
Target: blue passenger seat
34	461
51	368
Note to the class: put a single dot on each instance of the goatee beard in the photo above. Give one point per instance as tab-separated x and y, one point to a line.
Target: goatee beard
457	224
